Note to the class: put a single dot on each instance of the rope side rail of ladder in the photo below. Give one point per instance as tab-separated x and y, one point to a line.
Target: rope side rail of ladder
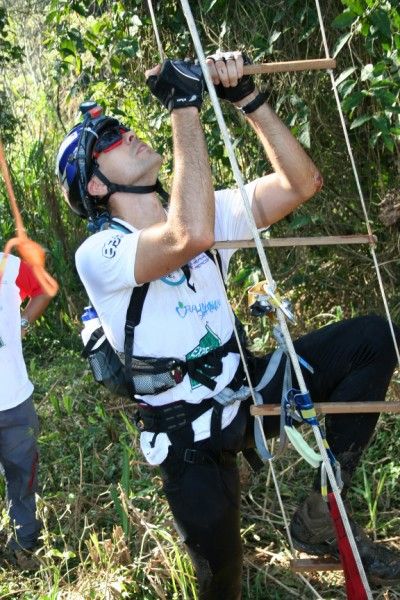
357	179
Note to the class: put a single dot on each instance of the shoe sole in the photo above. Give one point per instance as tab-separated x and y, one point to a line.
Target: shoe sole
326	550
315	549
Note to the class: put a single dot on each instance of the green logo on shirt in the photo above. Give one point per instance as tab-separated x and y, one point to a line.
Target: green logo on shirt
208	342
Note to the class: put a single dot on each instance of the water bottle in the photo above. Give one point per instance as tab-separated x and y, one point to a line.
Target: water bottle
90	322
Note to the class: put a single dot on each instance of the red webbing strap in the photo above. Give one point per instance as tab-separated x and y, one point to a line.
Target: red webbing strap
30	251
354	586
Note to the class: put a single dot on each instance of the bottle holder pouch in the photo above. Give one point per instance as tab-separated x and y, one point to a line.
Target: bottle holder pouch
150	375
104	363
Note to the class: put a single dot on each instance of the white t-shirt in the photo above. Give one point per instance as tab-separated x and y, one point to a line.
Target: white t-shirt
176	321
15	386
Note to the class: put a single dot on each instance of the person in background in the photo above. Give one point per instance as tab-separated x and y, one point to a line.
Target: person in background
18	419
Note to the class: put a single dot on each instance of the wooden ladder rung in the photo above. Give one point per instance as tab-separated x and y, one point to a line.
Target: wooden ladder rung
332	408
289	66
302	565
332	240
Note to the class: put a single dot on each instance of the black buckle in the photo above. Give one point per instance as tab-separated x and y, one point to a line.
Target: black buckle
199	457
138	421
190	456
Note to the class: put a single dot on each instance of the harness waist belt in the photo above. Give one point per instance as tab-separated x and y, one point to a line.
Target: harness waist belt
172	370
170	417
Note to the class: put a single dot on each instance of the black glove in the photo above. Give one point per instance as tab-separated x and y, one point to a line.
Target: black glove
243	88
179	84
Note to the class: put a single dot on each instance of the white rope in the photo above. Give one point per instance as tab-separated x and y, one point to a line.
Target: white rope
267	273
240	348
155	28
357	180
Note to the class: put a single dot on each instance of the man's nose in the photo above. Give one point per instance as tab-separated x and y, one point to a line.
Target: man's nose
130	137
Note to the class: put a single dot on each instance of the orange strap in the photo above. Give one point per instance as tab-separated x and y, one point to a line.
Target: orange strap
30	251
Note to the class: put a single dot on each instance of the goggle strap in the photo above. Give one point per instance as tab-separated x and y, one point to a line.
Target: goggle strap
160	190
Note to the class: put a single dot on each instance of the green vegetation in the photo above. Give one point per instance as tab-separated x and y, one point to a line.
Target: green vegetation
108	533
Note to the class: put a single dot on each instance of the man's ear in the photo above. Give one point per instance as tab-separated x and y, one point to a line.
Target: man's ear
96	187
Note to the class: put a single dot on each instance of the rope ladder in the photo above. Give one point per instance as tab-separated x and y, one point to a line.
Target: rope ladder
299	566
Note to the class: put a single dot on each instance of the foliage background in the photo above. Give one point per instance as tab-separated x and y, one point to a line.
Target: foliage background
55	54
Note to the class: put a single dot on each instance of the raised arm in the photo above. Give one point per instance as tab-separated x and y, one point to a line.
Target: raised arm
295	178
189	225
30	288
36	307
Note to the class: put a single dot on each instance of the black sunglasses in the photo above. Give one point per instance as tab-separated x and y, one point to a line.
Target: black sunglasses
109	140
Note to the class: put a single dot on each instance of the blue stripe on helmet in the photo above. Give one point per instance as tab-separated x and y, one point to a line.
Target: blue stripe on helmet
67	148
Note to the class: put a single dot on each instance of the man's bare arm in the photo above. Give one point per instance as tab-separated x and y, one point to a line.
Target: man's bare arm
295	178
189	226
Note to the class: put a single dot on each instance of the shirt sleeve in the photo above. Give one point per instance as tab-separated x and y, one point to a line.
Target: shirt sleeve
230	218
106	262
27	283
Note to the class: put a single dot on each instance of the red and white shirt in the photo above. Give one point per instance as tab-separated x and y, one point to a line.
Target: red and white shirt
18	283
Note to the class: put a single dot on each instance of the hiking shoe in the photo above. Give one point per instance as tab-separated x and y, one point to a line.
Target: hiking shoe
313	532
26	560
22	559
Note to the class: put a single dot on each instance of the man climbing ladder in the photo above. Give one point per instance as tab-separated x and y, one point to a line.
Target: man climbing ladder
196	422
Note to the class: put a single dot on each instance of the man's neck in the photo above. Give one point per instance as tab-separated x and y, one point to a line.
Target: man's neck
139	210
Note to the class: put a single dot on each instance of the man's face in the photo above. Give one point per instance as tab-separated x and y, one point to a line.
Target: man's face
129	161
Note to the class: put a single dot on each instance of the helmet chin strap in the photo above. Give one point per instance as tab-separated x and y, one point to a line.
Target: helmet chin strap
130	189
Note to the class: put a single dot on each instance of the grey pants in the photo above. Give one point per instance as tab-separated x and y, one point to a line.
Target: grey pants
19	427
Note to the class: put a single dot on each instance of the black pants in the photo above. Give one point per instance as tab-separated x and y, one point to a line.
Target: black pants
353	361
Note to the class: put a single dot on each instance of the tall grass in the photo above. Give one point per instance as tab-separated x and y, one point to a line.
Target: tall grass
108	532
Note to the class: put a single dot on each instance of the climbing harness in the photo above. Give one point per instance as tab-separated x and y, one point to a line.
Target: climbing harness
142	375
